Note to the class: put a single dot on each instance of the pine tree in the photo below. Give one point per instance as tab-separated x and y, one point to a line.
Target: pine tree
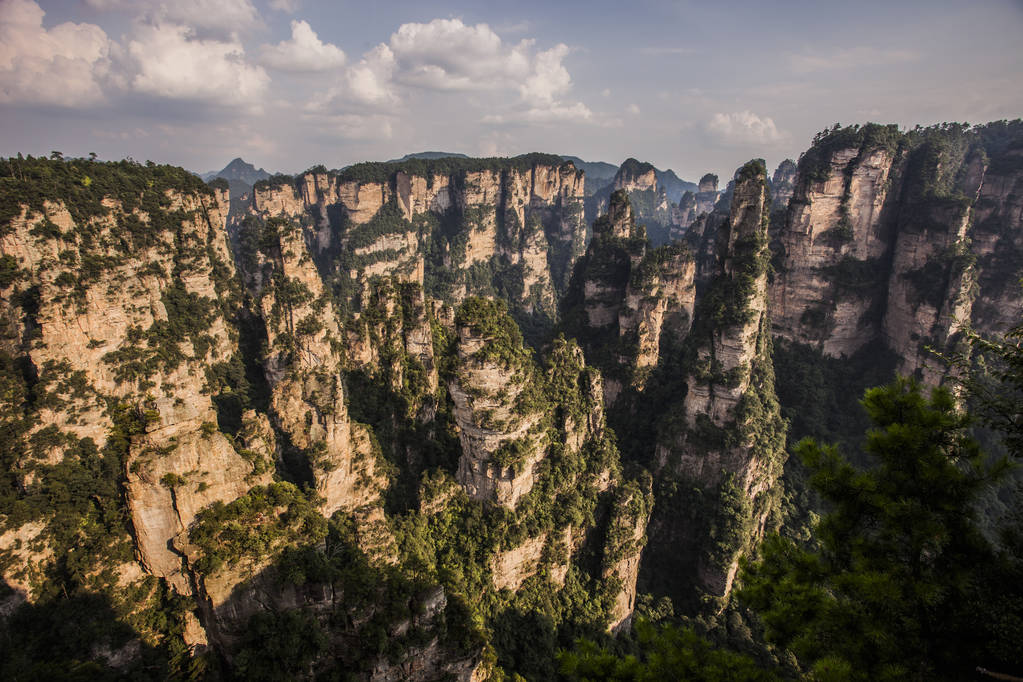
898	585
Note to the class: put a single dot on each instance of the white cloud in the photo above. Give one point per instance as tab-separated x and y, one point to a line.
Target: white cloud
369	81
633	109
557	112
606	92
744	127
304	52
170	62
856	57
549	77
289	6
61	66
445	54
576	112
448	55
220	18
364	87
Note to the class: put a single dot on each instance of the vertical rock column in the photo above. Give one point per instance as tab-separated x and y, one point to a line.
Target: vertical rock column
495	405
834	244
303	365
733	437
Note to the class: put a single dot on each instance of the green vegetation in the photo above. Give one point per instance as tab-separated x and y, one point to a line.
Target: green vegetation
277	181
853	277
898	577
255	526
900	582
82	184
931	281
390	219
489	319
450	165
662	653
727	301
815	163
709	178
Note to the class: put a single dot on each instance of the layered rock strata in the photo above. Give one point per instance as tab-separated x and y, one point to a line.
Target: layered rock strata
441	226
890	237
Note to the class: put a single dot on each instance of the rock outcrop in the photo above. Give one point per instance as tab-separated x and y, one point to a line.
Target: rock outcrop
630	297
634	176
495	393
834	244
733	437
455	227
783	184
889	238
116	307
626	537
707	194
303	365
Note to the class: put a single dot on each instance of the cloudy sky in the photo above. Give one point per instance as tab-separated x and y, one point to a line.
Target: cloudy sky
693	86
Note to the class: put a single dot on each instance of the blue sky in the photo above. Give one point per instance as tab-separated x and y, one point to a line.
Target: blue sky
694	86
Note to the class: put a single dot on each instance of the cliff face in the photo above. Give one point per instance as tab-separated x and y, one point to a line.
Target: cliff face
834	243
276	458
783	184
732	441
116	310
455	227
304	426
303	365
890	238
634	176
626	537
495	406
634	297
997	240
707	194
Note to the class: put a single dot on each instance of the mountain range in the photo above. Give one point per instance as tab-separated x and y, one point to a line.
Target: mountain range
442	417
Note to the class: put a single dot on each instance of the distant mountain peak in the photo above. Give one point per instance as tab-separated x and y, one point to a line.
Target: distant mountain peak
239	172
429	156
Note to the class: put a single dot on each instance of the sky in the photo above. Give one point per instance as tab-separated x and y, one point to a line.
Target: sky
693	86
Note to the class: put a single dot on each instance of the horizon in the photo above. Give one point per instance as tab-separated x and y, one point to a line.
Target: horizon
290	84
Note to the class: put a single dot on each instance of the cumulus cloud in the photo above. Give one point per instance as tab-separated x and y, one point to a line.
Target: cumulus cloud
207	17
369	81
744	127
549	77
449	55
364	88
170	62
304	52
633	109
61	66
446	54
